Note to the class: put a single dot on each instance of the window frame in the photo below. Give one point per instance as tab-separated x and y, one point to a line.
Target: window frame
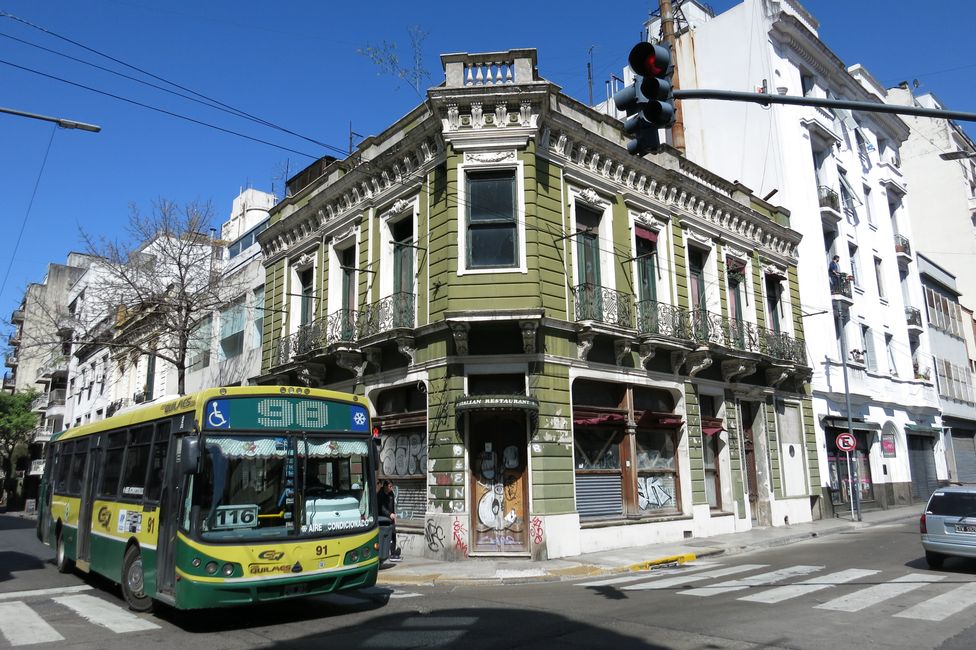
472	166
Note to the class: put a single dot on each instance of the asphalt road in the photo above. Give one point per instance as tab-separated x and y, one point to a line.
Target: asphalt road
867	588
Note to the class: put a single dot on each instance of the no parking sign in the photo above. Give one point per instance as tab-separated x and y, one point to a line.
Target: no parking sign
846	442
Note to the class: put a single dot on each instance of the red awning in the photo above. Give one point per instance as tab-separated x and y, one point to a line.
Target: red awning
712	426
645	233
609	418
653	419
734	265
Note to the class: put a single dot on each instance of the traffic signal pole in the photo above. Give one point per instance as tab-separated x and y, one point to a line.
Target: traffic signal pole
871	107
667	29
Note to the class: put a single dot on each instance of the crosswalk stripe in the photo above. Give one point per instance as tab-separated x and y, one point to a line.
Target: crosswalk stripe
944	606
103	613
752	581
779	594
644	575
20	595
865	598
404	595
683	580
21	625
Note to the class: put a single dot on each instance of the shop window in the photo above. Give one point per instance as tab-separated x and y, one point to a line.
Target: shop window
657	471
599	484
840	479
402	418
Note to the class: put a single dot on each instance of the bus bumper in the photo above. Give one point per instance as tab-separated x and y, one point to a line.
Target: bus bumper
192	594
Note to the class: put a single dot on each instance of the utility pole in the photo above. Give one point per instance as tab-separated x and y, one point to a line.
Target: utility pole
840	311
667	27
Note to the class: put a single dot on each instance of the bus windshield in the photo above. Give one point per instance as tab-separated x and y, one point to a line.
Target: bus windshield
275	486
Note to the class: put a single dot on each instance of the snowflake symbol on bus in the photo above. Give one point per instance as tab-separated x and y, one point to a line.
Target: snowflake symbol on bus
359	419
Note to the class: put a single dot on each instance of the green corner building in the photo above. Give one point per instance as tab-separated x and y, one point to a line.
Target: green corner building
567	348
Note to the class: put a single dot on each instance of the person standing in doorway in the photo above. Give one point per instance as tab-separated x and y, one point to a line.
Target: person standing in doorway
386	499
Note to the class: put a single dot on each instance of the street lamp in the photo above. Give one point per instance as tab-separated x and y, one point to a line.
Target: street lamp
60	121
957	155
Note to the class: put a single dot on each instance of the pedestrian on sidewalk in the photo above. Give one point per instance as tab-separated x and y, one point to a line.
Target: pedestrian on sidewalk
386	499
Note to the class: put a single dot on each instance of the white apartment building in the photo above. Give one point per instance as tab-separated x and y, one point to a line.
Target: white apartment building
950	329
839	174
228	352
939	162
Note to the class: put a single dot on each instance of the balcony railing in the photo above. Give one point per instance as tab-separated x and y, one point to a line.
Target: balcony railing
17	316
700	326
340	326
603	305
842	285
40	402
664	320
393	312
57	366
902	245
828	198
42	433
913	317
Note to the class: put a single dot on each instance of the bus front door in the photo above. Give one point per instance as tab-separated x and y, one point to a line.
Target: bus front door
169	512
83	548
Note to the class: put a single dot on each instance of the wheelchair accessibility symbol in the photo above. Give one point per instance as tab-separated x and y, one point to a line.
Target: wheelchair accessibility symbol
215	417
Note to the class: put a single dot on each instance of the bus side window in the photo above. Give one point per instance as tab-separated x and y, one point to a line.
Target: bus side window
157	462
64	464
112	468
136	463
76	475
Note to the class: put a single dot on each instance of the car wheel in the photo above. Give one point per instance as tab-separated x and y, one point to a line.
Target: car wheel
133	582
61	556
934	560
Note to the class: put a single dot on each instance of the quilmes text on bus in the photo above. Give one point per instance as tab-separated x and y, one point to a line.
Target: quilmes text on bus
226	496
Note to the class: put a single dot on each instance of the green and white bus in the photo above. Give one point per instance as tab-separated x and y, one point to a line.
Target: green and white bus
227	496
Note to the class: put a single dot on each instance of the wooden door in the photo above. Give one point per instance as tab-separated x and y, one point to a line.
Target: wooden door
499	499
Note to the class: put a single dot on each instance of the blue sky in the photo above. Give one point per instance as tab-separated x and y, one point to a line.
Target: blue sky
296	64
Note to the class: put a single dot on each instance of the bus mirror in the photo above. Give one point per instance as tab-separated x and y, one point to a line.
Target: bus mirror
190	454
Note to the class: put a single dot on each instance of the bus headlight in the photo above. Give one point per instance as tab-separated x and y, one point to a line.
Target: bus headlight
195	562
227	570
211	567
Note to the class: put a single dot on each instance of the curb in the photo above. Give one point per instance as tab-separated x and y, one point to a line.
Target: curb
583	570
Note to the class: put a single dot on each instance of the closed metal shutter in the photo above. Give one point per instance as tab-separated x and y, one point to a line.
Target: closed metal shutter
965	450
599	495
921	460
411	498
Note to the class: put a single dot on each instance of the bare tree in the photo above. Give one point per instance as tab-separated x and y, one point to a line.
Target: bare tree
156	286
387	59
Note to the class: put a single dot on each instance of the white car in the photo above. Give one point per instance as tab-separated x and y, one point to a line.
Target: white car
948	525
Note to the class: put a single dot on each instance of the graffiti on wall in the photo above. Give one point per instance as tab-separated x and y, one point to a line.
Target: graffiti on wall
535	531
434	536
655	492
404	454
460	535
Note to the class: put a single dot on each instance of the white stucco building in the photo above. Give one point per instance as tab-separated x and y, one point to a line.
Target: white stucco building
839	174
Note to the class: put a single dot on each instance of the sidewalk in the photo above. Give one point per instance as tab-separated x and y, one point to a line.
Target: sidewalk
422	571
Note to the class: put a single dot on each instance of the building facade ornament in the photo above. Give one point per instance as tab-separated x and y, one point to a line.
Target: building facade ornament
733	369
487	158
460	331
621	350
698	361
529	329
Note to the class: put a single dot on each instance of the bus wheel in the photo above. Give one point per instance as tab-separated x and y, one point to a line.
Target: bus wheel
61	556
133	582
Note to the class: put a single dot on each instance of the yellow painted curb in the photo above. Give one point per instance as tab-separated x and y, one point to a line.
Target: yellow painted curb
668	559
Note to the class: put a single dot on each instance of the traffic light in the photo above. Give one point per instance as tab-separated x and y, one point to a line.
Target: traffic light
648	102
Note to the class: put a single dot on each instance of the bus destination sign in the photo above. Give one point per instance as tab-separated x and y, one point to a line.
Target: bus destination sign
285	413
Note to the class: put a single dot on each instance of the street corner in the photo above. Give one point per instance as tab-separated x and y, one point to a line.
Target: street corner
658	562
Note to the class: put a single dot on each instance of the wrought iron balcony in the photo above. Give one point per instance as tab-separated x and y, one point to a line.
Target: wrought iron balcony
782	346
828	198
340	326
40	402
42	433
393	312
842	286
596	303
902	245
913	317
659	319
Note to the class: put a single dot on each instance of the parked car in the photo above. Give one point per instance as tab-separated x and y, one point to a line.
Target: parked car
948	525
